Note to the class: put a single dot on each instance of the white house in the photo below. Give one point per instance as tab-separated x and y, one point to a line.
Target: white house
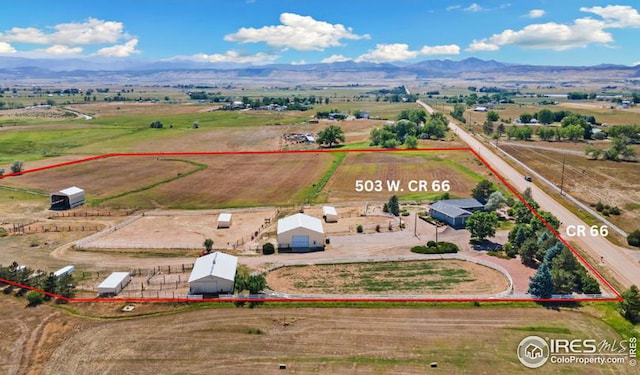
224	220
300	233
113	284
213	273
330	214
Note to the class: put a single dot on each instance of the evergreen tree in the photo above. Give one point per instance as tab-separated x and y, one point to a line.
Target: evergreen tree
541	284
394	206
630	306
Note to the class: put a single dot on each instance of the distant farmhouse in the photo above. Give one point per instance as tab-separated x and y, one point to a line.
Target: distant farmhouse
455	212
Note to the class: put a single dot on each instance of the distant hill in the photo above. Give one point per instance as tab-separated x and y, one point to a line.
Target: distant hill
185	70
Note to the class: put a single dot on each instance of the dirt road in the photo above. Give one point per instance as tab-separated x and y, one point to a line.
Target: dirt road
623	263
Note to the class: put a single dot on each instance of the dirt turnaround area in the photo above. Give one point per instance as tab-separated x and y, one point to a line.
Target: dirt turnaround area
397	278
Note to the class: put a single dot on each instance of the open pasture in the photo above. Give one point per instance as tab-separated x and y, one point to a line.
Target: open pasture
458	167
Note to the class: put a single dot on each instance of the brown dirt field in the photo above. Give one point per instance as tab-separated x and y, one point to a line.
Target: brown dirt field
591	181
482	340
397	278
238	181
392	166
103	177
130	108
157	231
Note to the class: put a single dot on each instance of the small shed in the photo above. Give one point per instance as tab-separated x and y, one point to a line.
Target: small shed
214	273
68	270
300	233
330	214
224	220
67	198
113	284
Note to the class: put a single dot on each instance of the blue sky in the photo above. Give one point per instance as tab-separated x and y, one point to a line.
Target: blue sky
558	32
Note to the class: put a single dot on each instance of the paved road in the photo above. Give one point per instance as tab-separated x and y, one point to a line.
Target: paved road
623	263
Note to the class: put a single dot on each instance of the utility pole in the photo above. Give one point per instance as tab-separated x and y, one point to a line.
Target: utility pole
562	178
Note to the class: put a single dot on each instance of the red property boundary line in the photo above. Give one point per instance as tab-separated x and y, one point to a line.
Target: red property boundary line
320	299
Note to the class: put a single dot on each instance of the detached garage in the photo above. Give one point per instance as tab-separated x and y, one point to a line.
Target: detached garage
330	214
67	198
113	284
224	220
300	233
213	274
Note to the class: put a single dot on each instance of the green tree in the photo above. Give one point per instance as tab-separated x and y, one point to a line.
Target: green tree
573	132
541	284
528	251
411	142
208	245
49	285
394	205
563	281
483	190
35	298
629	307
482	225
519	234
268	248
633	239
537	224
17	166
256	283
495	201
487	127
526	118
458	112
546	134
493	116
331	135
545	116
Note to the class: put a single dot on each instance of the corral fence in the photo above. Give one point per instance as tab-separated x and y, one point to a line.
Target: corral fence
85	242
43	228
92	213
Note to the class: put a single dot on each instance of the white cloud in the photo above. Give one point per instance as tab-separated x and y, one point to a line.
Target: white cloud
400	52
299	62
555	36
298	32
482	45
636	63
6	48
536	13
452	7
335	58
119	50
236	57
58	49
474	8
92	31
451	49
616	15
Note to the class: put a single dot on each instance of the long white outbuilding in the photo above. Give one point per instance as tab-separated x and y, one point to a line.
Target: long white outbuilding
113	284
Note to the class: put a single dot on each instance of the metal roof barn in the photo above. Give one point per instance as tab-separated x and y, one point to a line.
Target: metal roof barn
213	274
68	270
300	233
67	198
224	220
114	283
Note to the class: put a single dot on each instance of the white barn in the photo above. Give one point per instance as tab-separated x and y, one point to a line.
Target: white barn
214	273
67	198
113	284
300	233
330	214
68	270
224	220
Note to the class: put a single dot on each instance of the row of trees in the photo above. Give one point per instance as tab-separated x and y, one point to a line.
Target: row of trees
16	167
49	283
408	132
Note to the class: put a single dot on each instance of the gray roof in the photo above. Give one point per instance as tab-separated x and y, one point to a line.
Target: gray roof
465	204
449	209
216	264
114	280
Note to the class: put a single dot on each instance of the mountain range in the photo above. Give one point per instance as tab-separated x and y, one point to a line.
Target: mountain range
21	69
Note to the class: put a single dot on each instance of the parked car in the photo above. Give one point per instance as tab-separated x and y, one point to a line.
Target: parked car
527	178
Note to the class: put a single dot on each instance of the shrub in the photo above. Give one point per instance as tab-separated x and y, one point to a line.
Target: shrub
605	212
599	207
404	213
17	166
634	238
441	248
510	250
359	228
614	210
268	248
3	232
35	298
431	244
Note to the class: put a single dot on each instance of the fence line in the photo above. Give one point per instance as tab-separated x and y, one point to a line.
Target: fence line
82	243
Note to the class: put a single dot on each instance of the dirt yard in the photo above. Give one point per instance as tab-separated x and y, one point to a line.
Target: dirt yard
396	278
44	340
